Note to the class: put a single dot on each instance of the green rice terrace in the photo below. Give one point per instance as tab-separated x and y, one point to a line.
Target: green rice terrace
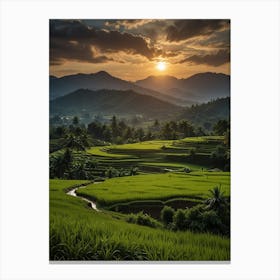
139	159
156	155
151	200
155	190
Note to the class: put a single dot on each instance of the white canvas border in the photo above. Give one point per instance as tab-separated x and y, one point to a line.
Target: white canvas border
255	138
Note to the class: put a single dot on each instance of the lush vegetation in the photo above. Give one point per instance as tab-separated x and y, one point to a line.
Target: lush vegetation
164	195
206	115
79	233
157	187
212	216
78	153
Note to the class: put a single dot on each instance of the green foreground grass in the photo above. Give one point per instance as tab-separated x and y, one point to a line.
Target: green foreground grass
80	233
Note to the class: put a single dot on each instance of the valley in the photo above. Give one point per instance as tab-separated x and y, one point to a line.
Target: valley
130	185
139	141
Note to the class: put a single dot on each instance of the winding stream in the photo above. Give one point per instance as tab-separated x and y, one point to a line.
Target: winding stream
152	210
91	203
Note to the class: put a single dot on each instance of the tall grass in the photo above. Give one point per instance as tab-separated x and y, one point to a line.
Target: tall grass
87	237
79	233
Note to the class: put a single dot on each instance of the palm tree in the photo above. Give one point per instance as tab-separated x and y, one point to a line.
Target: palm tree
217	201
74	142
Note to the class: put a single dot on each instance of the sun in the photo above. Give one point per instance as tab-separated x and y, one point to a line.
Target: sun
161	65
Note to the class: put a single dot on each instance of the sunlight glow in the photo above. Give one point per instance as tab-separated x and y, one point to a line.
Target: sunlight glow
161	66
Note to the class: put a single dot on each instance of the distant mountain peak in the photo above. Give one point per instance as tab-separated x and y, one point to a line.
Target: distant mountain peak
102	74
207	74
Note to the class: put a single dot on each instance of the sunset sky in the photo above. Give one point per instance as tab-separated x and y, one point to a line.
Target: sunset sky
135	49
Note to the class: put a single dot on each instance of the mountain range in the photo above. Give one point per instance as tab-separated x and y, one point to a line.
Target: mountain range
112	102
196	89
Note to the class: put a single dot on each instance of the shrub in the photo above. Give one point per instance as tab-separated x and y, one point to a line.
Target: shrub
131	218
187	170
145	220
111	172
211	221
142	219
133	171
193	218
180	219
200	219
167	214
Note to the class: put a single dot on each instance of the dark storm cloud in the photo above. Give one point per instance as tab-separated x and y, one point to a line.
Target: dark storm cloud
75	40
117	41
151	28
217	59
62	50
186	29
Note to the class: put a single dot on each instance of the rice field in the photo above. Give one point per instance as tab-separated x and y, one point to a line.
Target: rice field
79	233
157	187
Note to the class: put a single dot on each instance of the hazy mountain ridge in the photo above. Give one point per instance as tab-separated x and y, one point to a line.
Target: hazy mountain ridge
207	114
111	102
198	88
97	81
201	87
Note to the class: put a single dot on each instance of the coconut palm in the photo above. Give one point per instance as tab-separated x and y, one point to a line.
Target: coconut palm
217	201
74	142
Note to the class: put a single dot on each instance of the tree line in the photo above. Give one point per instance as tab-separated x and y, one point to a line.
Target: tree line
78	136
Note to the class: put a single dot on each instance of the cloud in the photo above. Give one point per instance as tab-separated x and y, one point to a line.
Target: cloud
74	40
217	59
112	41
151	28
219	40
62	51
128	23
101	41
186	29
